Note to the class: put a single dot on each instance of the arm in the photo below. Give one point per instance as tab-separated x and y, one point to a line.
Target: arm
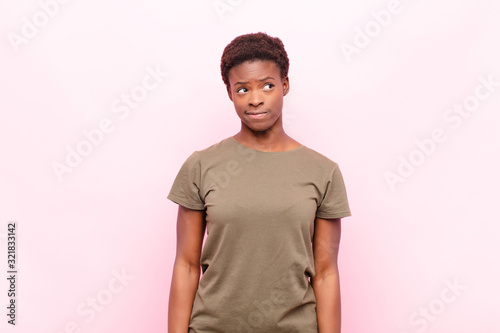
186	273
326	283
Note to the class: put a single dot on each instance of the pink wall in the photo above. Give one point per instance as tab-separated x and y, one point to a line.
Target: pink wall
404	95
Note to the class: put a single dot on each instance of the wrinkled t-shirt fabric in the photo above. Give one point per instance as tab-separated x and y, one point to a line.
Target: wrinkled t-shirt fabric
257	259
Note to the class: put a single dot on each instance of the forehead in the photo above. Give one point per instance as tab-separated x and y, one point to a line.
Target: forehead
254	69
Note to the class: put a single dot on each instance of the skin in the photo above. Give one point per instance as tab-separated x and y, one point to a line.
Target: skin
255	86
326	282
191	226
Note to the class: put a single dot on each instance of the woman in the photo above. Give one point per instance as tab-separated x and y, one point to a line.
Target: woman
271	208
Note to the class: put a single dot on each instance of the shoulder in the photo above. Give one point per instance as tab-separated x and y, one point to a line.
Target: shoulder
214	148
213	151
316	158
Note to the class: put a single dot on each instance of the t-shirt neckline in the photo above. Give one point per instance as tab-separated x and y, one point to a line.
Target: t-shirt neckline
267	152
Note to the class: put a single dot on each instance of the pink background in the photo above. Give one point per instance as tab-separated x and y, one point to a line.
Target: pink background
403	249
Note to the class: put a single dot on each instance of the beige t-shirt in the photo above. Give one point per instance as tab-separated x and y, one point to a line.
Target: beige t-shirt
257	257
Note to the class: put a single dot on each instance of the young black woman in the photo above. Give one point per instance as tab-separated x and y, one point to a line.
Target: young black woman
271	208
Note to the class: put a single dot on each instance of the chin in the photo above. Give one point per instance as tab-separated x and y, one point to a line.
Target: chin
258	127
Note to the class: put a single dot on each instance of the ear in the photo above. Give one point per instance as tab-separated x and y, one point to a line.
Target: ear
229	93
286	86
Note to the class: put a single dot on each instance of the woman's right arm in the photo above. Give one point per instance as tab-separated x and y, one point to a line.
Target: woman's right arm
186	273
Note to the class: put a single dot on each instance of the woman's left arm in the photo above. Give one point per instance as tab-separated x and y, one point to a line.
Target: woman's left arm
326	283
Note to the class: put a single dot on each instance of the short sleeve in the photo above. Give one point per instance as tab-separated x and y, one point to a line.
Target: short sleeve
334	203
185	190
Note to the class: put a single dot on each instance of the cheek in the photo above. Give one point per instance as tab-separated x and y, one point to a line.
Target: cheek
239	107
277	103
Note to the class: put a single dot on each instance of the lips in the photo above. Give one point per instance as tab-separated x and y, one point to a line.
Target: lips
258	112
257	115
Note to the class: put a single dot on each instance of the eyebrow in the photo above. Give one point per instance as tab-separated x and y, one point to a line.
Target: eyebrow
263	79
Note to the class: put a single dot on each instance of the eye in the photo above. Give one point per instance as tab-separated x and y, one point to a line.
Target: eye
241	90
268	86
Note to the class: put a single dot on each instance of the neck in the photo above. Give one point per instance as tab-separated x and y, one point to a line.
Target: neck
272	139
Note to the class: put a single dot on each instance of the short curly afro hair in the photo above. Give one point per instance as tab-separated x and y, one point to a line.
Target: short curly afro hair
253	46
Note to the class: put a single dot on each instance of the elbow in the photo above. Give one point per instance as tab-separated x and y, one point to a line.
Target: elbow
187	266
327	273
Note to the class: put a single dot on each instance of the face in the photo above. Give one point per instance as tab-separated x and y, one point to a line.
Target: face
257	90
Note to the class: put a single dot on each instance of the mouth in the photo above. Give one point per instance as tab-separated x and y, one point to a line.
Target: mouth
256	115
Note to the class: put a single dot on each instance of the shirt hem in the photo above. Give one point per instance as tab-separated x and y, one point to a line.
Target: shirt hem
186	204
334	216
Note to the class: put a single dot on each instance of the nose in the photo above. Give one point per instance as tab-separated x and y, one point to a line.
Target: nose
255	98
